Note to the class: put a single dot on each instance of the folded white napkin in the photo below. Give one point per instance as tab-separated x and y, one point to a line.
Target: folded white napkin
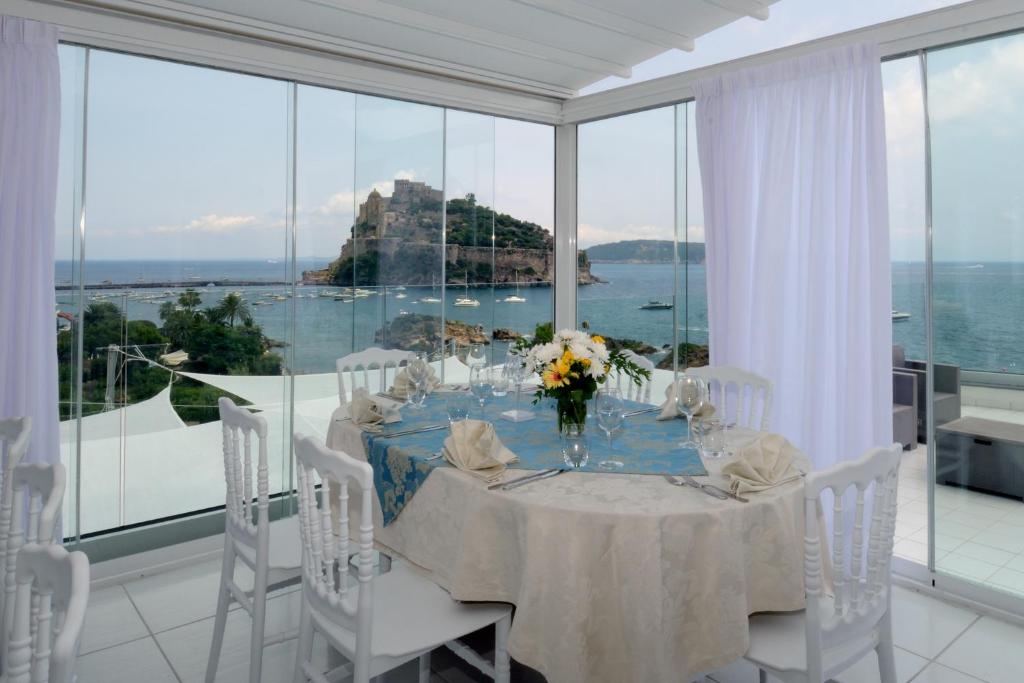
403	385
474	447
369	413
767	462
669	409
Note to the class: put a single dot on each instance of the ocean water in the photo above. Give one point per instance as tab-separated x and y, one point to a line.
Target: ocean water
978	308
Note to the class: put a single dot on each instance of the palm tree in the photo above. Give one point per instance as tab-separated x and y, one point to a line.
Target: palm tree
233	306
189	299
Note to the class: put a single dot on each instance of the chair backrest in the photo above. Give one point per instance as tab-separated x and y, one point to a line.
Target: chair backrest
53	591
37	489
325	546
14	439
630	389
749	395
242	523
358	367
861	581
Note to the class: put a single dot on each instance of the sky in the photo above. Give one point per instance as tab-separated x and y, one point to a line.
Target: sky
189	163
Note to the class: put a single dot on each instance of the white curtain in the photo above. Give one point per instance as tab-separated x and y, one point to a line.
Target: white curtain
792	159
29	132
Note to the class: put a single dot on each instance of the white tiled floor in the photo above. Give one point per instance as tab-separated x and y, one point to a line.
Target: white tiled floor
158	629
979	537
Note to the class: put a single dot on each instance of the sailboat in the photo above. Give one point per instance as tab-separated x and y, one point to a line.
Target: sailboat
432	299
466	299
515	298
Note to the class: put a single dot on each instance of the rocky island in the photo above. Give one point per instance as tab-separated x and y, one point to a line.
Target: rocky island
396	240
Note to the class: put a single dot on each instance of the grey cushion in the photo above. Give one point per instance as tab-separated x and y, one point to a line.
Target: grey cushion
899	358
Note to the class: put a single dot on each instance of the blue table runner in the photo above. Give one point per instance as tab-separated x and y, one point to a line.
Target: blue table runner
644	445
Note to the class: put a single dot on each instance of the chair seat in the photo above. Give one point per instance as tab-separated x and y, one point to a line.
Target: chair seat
411	615
778	642
285	545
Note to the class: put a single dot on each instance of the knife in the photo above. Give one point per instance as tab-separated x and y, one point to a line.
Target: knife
502	484
522	482
641	411
710	490
734	496
431	428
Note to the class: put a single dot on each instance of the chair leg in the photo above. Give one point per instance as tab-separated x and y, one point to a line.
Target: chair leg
884	649
425	668
227	571
304	651
502	668
259	621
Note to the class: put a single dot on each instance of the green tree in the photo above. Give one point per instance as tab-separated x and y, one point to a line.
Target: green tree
233	307
190	300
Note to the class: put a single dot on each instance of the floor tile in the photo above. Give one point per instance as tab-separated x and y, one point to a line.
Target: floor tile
111	619
180	596
866	670
936	673
955	529
911	550
188	647
985	553
976	517
943	542
1008	579
740	671
1003	536
1016	564
128	663
990	650
966	567
925	626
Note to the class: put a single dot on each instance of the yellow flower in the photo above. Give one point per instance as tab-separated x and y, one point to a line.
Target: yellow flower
563	366
597	339
585	362
554	378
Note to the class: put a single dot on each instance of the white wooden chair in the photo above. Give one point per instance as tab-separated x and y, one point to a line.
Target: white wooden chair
14	440
385	620
361	366
631	390
37	489
49	612
272	551
835	631
749	394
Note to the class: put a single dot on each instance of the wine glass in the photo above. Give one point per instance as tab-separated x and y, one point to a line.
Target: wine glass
418	372
691	393
480	385
575	450
476	355
610	416
458	406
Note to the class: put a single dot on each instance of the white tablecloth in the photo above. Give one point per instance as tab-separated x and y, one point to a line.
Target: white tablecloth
614	577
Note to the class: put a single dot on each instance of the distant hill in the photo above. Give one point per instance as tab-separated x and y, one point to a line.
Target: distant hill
644	251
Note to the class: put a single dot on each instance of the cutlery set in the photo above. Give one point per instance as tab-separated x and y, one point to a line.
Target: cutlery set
709	489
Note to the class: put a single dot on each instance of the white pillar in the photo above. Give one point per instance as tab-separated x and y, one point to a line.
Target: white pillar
565	226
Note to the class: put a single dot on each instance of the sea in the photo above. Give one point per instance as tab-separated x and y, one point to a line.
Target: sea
978	307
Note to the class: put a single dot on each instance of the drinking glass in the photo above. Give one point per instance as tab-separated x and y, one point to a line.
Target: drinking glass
499	382
575	450
712	438
480	385
610	416
691	393
458	406
476	355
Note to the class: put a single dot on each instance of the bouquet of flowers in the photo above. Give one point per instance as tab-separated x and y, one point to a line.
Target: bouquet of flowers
572	365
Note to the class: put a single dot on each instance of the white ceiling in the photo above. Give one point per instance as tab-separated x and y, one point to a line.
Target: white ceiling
545	47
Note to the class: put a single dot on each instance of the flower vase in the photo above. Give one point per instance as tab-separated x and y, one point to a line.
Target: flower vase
571	413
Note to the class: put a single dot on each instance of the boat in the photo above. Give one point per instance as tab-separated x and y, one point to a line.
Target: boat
654	305
466	300
432	299
515	298
400	296
900	315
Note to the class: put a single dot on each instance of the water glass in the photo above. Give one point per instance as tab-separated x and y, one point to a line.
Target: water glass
712	438
476	355
691	394
480	385
610	416
417	395
458	406
499	382
575	449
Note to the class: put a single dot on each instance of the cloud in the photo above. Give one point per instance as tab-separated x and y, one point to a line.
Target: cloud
589	235
979	85
344	201
211	223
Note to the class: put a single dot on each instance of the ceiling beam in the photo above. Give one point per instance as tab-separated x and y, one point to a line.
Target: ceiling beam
612	21
424	21
750	8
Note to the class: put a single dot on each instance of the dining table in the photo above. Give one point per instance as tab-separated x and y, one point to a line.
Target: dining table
615	575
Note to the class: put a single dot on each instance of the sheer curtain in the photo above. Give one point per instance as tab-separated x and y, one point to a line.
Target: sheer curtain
793	164
29	132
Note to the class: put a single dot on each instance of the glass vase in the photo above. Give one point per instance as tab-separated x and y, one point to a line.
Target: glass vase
571	414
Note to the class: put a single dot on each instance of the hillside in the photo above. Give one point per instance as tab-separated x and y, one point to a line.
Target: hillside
644	251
